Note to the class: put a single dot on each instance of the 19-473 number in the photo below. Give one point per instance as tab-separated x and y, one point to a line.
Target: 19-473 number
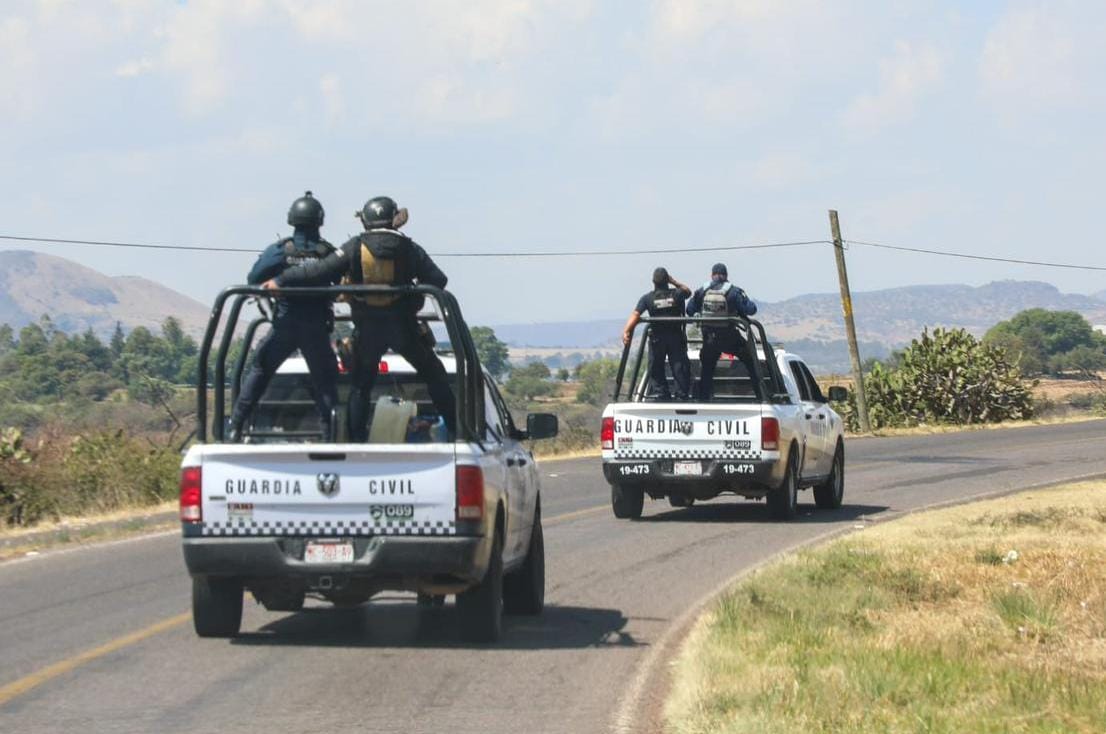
738	469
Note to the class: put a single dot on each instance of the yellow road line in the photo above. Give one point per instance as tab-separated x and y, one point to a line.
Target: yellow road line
36	679
573	515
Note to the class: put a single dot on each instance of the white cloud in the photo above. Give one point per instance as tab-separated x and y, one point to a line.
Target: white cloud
134	68
1041	54
334	103
17	80
780	170
914	70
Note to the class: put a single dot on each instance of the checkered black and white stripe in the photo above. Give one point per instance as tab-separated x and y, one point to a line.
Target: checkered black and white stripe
326	527
744	454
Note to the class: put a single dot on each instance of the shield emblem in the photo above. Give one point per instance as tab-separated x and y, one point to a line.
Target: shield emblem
687	427
328	484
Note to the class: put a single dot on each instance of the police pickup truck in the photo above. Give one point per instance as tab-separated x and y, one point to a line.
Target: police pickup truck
284	516
766	435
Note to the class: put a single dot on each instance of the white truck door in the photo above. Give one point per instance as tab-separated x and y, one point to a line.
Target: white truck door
821	422
813	442
515	482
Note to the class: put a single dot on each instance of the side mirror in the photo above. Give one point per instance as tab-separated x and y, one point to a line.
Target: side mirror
541	425
838	394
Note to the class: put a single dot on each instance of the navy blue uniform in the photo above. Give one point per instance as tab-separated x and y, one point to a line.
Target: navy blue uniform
667	341
299	323
720	298
384	321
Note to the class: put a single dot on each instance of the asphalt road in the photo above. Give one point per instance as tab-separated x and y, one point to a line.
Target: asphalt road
98	639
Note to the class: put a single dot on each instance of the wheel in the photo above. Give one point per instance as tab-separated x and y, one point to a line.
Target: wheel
784	499
627	502
524	590
216	606
828	495
677	500
481	607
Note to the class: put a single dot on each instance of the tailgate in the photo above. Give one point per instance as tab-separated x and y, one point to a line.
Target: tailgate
320	491
701	432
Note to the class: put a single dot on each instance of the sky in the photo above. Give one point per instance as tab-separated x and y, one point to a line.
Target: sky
510	126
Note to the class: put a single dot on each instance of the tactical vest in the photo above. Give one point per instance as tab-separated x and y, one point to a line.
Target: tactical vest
715	302
663	302
380	266
294	256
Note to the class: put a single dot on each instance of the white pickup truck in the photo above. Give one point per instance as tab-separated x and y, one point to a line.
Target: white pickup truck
283	516
767	435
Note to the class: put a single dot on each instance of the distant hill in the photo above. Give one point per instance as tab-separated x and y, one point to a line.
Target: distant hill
77	297
813	326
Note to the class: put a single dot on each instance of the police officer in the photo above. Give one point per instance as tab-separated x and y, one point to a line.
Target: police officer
382	255
298	323
666	340
720	297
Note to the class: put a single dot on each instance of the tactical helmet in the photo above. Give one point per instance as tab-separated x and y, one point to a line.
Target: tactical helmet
306	211
379	211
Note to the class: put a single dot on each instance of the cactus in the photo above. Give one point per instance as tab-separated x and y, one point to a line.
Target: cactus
11	446
948	376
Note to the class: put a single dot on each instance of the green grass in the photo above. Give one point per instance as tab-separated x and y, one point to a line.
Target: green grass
911	632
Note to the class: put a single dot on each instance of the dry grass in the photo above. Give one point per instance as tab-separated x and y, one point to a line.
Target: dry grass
122	523
982	618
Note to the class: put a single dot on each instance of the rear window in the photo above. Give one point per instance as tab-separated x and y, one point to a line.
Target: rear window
288	408
731	380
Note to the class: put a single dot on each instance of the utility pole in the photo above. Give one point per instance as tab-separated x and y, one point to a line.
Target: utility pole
850	327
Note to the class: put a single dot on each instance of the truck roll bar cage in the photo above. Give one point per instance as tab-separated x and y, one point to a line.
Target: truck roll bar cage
469	387
754	336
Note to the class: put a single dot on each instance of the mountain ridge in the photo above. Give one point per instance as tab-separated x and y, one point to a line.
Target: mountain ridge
76	297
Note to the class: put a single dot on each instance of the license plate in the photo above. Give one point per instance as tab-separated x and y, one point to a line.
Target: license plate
317	552
687	468
392	512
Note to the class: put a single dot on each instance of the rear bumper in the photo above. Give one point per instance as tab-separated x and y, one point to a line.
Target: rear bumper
376	559
717	475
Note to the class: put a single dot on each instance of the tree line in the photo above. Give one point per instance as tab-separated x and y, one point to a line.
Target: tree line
41	363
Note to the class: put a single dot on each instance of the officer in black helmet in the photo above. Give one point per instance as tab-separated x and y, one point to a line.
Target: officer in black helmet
382	255
720	297
666	340
298	323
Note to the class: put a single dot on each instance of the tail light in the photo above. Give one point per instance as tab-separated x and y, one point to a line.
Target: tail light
606	433
470	493
191	494
769	434
382	368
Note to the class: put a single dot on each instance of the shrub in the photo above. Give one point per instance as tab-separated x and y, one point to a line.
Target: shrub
945	377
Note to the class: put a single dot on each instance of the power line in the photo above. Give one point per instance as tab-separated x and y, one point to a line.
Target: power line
585	253
660	251
550	253
193	248
966	256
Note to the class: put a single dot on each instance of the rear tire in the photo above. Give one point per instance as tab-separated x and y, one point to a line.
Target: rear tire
216	606
677	500
524	590
829	494
783	501
481	607
627	501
